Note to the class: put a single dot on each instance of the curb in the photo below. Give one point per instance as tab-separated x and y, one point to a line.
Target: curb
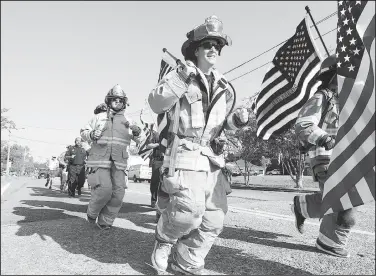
273	189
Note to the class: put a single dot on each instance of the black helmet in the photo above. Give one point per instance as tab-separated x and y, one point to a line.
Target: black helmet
328	68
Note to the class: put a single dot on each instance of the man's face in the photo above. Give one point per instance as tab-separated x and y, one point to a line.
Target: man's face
53	158
77	142
117	104
207	51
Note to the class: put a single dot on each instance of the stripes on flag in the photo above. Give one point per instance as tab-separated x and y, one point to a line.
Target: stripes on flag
145	153
351	171
288	84
165	69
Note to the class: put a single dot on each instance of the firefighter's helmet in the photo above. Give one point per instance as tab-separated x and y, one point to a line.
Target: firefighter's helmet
212	28
116	92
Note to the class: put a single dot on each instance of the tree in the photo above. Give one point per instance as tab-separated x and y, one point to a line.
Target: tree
6	123
244	144
287	147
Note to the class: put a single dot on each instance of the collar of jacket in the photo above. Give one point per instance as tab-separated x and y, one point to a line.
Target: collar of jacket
217	77
113	113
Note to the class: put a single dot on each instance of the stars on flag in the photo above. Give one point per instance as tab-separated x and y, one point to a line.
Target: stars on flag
290	58
349	45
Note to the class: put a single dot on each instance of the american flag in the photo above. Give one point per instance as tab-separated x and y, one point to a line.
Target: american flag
288	84
162	119
351	171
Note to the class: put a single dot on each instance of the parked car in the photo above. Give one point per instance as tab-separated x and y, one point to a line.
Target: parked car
273	172
139	173
42	173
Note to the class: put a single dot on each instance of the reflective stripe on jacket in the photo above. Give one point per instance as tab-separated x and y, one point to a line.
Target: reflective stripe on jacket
113	143
311	127
192	121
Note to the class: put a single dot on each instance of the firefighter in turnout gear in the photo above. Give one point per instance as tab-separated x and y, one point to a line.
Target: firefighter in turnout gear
198	107
109	134
316	128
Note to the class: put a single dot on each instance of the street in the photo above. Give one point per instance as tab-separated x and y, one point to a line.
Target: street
45	232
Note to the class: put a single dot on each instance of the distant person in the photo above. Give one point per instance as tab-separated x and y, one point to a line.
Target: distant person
76	156
109	134
53	170
156	162
63	171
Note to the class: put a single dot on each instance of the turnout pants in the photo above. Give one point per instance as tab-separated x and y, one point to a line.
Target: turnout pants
107	193
334	228
76	174
193	205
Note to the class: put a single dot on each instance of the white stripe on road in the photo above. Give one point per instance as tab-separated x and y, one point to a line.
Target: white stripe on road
6	186
270	215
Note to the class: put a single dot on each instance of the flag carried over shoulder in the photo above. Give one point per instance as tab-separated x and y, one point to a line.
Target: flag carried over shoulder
166	67
351	172
288	84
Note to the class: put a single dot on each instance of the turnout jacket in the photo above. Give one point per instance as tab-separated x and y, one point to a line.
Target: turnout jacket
199	120
317	119
113	145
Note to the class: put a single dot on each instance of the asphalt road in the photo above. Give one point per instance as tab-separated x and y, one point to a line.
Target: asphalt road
45	232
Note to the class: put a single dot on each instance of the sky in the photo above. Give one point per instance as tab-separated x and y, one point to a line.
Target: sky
59	59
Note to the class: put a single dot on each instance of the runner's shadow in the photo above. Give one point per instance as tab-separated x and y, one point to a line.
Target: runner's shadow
130	245
117	245
263	238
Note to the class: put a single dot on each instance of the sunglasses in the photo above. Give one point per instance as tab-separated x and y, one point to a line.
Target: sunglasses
208	45
122	100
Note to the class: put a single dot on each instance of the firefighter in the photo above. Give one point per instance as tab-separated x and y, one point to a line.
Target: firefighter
109	134
200	101
316	128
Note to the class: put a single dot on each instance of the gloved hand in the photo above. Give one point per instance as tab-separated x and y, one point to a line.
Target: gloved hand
136	130
242	115
95	134
187	73
328	143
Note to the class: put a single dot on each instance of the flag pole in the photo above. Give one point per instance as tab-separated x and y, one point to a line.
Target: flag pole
317	30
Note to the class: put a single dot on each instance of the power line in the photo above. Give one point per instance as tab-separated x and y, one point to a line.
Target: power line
270	61
320	21
36	140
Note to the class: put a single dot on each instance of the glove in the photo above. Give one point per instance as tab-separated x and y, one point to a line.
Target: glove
95	134
187	73
328	143
136	130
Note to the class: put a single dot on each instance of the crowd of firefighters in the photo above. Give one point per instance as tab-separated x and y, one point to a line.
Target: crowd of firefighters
189	187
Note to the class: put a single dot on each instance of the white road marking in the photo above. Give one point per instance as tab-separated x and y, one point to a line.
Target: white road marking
6	186
268	215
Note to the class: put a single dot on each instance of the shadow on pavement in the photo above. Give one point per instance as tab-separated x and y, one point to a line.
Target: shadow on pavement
134	247
261	237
